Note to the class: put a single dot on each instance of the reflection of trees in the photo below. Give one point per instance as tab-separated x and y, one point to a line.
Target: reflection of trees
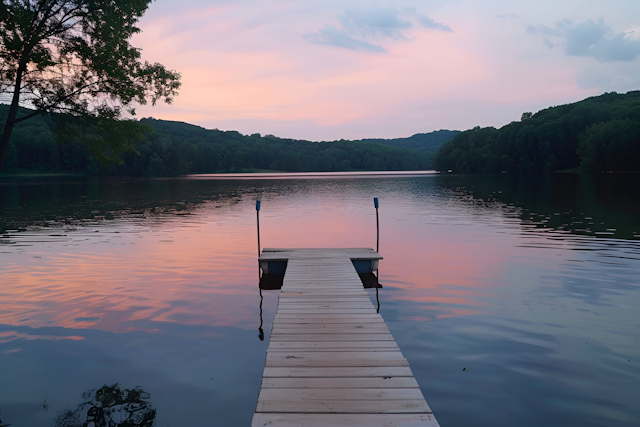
582	204
82	202
110	406
31	204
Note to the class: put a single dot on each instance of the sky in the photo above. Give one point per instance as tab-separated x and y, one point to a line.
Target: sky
326	70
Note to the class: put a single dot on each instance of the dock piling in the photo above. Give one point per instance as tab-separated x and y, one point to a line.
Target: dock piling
258	223
375	203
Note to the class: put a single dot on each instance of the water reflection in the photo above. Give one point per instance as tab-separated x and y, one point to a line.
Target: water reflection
579	204
377	287
495	274
260	330
110	406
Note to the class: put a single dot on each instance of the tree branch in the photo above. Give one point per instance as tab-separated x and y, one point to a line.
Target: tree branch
28	116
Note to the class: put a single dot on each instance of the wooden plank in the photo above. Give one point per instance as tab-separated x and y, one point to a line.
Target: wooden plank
355	356
315	324
341	383
342	280
325	272
336	283
320	316
334	359
310	285
333	362
309	277
285	322
327	311
337	372
340	302
338	323
318	299
325	294
320	292
343	420
334	271
301	287
331	337
337	350
307	300
343	406
329	289
335	306
332	329
339	394
311	288
325	300
330	311
321	275
331	345
317	249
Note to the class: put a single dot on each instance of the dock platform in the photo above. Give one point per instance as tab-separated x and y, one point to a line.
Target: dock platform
331	359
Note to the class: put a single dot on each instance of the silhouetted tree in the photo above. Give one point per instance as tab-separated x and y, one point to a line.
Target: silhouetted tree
74	56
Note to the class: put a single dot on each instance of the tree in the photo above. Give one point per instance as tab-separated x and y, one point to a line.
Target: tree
72	58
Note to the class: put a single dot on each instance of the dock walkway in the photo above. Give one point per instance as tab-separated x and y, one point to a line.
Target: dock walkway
331	359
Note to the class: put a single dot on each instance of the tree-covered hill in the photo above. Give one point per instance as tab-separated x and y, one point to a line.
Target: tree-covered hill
177	148
600	133
428	143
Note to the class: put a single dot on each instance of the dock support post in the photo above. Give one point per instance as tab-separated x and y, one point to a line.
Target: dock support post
375	203
258	222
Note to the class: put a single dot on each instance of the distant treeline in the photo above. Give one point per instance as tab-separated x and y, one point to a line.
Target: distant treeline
177	148
600	133
428	143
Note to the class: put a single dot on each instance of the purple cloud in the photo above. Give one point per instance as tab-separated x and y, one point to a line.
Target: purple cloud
358	25
593	39
331	35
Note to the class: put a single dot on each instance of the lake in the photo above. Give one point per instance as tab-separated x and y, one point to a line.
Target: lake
514	298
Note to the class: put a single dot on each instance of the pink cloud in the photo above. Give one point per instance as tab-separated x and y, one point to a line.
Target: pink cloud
249	67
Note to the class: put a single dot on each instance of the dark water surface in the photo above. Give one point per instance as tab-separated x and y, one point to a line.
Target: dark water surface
531	284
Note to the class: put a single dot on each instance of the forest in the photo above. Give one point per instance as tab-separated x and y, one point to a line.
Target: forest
176	148
598	134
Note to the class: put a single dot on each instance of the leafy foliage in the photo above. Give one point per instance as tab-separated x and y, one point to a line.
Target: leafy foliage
597	134
74	56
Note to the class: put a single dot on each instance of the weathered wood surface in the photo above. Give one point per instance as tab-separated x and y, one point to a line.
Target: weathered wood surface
270	254
353	420
331	359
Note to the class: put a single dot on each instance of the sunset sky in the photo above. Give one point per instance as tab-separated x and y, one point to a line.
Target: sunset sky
324	70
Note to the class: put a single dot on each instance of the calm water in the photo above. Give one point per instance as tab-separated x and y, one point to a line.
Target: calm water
530	284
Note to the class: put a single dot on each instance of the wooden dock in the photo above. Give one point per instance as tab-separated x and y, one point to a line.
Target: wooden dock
331	359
